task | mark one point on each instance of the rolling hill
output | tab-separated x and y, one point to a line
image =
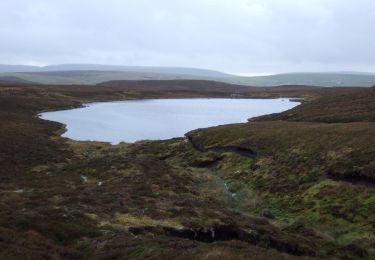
91	74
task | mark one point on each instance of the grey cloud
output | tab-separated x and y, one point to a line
247	36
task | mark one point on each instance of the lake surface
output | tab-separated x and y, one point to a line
155	119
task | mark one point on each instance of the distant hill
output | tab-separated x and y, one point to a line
91	74
338	79
112	68
18	68
14	79
96	77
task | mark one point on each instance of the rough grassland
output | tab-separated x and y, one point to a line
297	184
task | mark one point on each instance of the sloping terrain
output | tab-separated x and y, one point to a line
91	74
314	164
351	105
273	188
333	79
111	68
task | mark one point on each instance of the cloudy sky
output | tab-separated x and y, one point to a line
237	36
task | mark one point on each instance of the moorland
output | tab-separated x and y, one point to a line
299	184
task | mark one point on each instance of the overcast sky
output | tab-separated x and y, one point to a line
238	36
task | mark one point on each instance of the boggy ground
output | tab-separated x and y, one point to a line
295	184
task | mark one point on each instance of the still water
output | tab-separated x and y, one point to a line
155	119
